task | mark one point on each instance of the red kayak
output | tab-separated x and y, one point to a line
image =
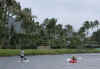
73	61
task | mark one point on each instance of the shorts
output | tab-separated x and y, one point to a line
21	56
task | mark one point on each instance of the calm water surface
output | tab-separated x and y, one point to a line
86	61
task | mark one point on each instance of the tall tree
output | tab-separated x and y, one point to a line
87	26
96	23
25	16
7	8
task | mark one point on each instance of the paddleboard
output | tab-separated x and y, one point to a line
26	61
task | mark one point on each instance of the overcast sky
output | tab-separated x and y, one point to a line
73	12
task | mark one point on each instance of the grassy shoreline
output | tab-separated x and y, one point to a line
15	52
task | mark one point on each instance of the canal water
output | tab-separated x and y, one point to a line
85	61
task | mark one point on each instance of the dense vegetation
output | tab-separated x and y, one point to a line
30	34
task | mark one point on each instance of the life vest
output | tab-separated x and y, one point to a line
73	61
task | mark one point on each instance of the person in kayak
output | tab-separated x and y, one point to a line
73	60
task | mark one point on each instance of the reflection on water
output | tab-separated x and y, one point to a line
87	61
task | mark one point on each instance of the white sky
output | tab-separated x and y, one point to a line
73	12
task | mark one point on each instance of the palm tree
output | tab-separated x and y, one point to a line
25	16
81	32
87	26
6	10
69	30
92	24
96	23
50	26
8	7
58	30
60	36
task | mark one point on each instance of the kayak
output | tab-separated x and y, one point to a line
73	61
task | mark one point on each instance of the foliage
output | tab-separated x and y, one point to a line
96	36
33	34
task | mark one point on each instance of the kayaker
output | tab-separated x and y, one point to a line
73	60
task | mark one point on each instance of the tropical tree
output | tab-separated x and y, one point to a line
87	26
50	25
96	36
96	23
26	19
7	8
69	28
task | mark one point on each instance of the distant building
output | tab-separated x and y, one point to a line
17	25
92	44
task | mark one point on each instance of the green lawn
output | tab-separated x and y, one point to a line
14	52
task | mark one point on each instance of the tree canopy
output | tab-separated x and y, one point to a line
34	34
